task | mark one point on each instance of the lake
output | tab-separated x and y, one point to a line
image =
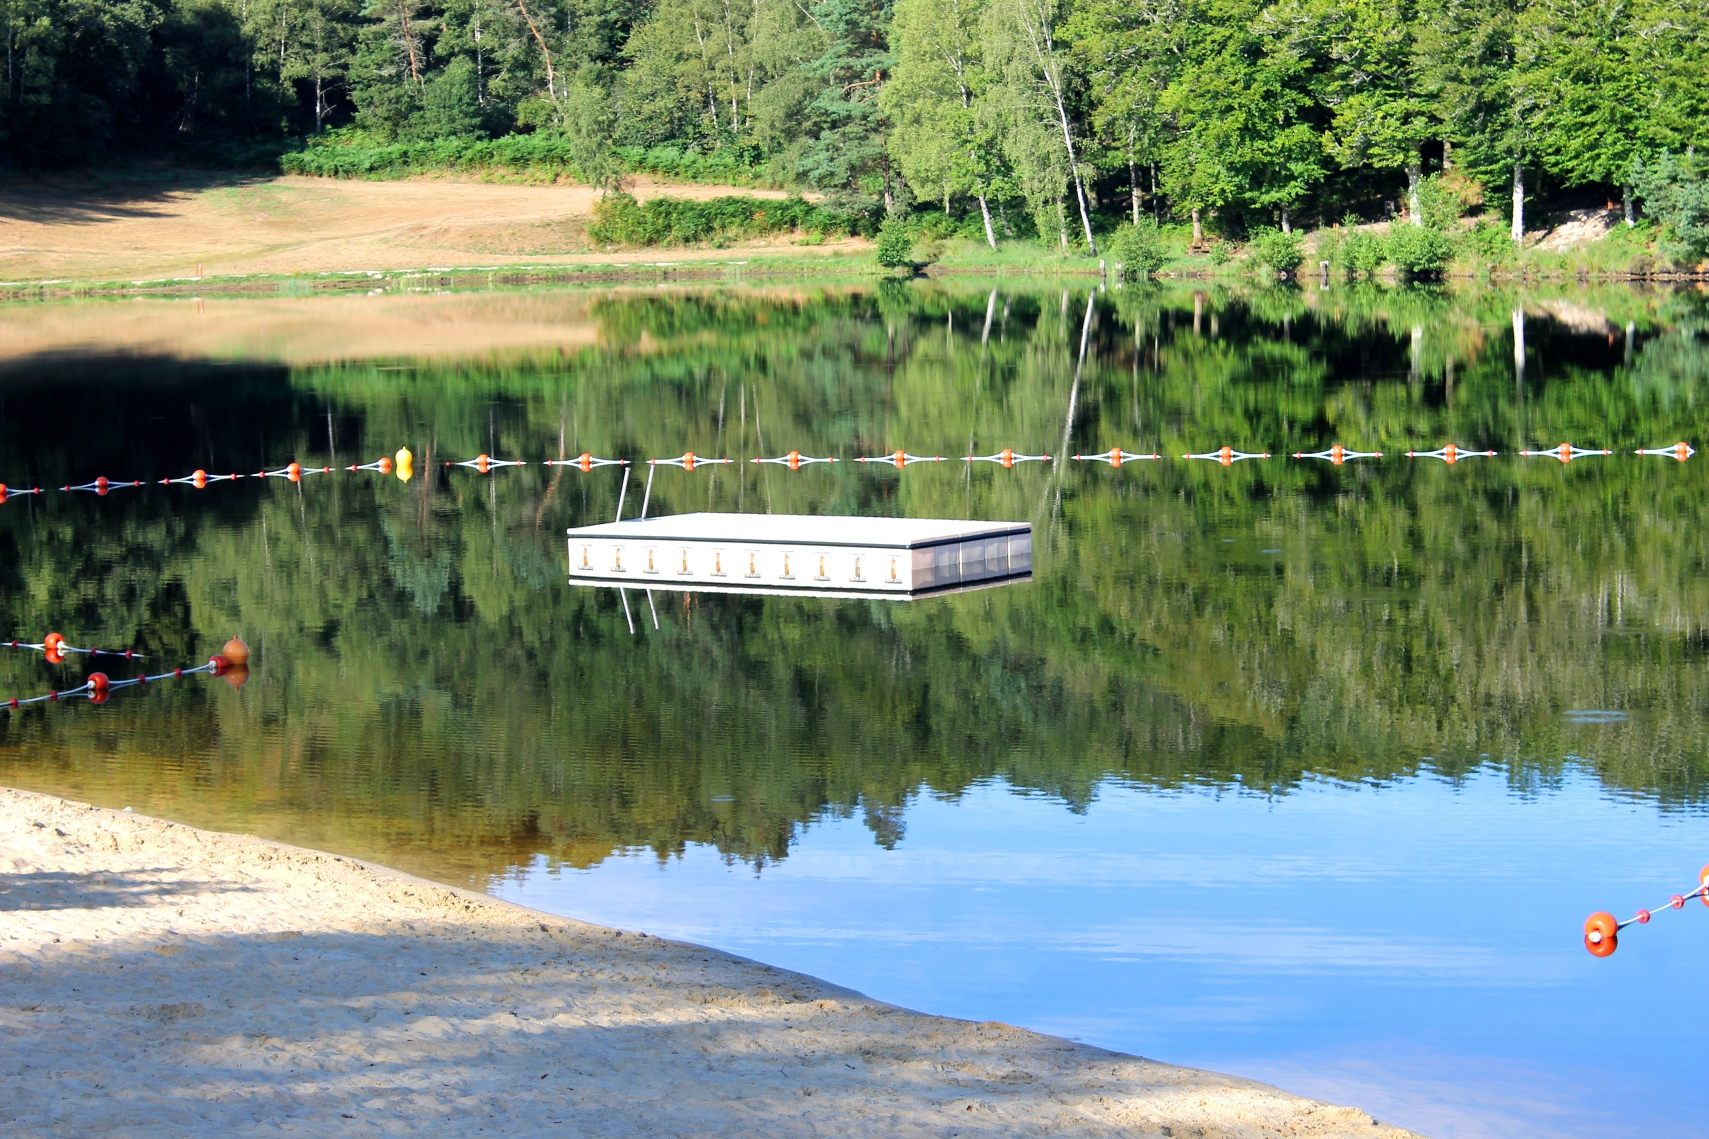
1301	770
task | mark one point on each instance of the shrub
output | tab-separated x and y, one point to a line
1282	252
620	220
1362	252
1138	249
1676	193
895	243
1419	250
1490	241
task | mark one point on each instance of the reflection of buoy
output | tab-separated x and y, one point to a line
1601	934
405	464
236	651
237	675
55	655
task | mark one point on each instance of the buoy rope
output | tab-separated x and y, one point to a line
60	646
900	459
1115	457
1566	452
98	686
1338	454
1602	929
1228	456
795	460
1006	457
1449	453
688	460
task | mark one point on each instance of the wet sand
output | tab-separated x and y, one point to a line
156	979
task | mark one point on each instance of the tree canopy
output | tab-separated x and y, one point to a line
1055	118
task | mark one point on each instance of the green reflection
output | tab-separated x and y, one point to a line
430	691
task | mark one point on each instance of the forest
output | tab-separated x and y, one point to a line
1055	119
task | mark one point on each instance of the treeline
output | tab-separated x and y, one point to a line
1053	118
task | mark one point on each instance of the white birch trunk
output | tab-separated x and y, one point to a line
1519	203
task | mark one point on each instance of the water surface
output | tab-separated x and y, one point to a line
1301	771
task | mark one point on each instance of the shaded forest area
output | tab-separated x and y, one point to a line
1048	118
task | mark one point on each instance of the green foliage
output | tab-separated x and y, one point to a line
1139	249
895	246
1419	250
1676	193
1282	252
620	220
1490	242
1362	252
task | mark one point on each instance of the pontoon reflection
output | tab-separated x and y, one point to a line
900	558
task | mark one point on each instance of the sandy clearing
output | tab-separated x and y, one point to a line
287	225
161	980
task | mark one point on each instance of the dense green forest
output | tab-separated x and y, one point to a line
429	687
1053	118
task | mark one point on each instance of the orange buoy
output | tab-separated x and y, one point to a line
1451	453
235	651
483	463
1601	933
199	480
237	675
101	484
585	461
98	682
385	466
688	461
53	643
1008	457
795	460
2	492
1225	456
900	458
294	472
217	664
1703	881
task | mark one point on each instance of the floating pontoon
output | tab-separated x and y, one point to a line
902	558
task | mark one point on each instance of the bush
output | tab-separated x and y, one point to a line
1282	252
1138	249
1676	193
1490	241
1362	252
355	153
895	243
1419	250
620	220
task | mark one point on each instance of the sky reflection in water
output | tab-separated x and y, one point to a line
1411	948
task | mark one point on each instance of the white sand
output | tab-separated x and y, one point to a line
161	980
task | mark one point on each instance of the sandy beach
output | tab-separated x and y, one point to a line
156	979
236	226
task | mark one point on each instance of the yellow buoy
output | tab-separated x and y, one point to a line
405	464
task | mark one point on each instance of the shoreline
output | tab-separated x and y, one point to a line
160	979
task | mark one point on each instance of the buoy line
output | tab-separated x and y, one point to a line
231	663
1602	929
403	463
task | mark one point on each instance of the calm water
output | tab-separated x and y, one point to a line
1304	772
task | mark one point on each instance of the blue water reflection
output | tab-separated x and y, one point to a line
1410	948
